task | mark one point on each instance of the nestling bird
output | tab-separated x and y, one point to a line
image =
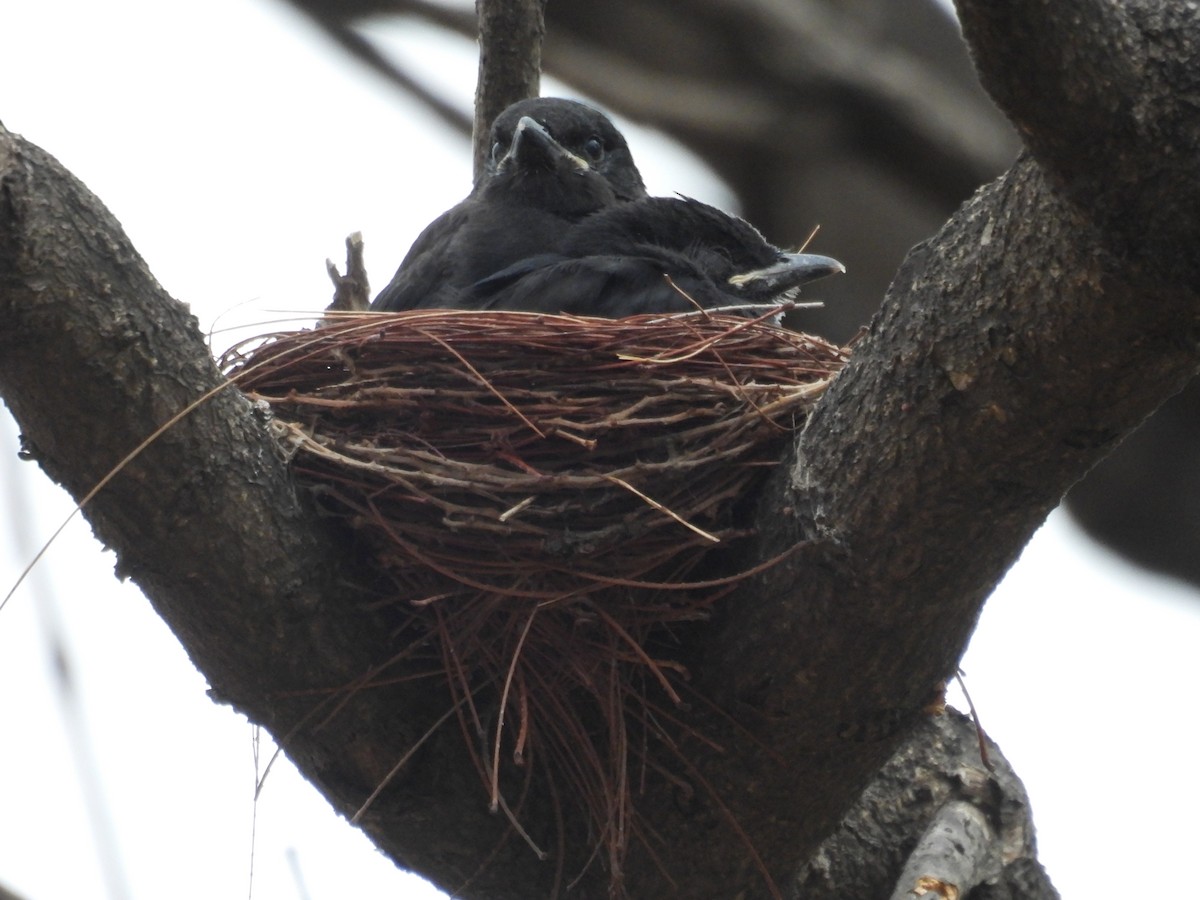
553	162
580	129
656	255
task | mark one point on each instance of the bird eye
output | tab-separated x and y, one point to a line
594	148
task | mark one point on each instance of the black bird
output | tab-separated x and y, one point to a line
656	255
580	129
553	162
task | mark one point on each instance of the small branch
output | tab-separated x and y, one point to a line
935	771
510	63
956	852
352	291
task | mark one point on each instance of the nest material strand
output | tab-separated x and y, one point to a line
542	489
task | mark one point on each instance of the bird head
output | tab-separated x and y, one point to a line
537	172
579	130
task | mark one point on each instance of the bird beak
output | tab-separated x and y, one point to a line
793	270
534	148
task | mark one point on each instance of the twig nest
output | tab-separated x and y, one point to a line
542	488
466	441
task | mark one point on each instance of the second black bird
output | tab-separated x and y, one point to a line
553	162
656	255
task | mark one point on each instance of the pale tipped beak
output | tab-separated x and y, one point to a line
533	147
793	270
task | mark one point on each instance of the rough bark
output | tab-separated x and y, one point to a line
937	769
1048	317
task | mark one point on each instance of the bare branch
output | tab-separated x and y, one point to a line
336	20
351	291
6	894
510	63
956	852
939	767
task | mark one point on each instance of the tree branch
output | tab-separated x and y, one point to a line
988	383
1109	109
1013	351
510	64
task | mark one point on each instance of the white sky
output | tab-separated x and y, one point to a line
238	149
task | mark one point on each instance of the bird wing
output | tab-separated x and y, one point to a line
605	286
487	289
